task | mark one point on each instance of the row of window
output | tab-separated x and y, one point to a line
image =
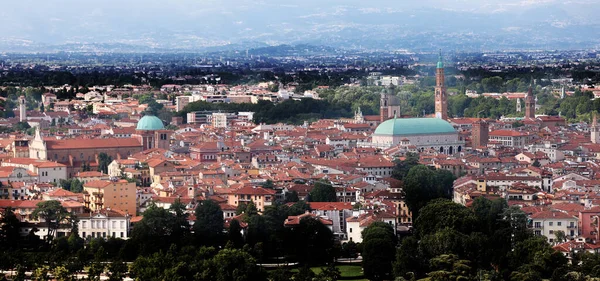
102	234
538	224
102	224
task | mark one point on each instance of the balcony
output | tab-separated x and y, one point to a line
571	226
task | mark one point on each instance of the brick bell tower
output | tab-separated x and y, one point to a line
530	104
441	99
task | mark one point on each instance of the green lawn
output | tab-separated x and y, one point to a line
349	272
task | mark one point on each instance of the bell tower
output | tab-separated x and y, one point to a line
389	105
383	107
594	132
441	99
529	104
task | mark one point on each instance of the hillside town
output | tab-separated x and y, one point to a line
126	159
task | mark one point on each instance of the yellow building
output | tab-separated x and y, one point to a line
261	197
120	195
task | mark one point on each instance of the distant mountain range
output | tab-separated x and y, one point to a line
208	26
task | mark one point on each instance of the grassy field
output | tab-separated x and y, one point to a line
349	272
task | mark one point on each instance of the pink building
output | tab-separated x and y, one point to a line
588	223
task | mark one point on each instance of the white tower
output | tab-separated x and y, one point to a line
562	92
518	105
22	109
594	132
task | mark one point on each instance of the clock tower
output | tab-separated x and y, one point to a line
441	99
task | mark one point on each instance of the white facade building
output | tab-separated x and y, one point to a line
104	224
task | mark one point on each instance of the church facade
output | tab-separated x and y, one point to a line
75	152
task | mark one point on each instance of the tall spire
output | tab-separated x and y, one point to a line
440	63
441	106
530	102
594	130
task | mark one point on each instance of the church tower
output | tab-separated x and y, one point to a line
480	133
518	105
594	132
22	109
389	105
441	100
529	104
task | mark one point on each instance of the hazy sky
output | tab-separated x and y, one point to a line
60	21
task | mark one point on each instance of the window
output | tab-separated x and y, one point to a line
550	223
351	230
559	223
551	232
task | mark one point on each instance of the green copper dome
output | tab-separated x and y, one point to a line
150	123
414	126
440	63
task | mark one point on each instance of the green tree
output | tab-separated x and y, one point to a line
329	273
53	214
241	208
304	274
9	232
402	167
103	161
73	185
441	214
268	184
21	126
291	196
299	208
280	274
153	232
379	244
117	270
409	260
310	242
323	192
181	226
423	184
234	234
208	226
236	265
451	268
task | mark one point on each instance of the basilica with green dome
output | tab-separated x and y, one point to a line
151	133
422	133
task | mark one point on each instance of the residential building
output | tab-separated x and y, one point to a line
120	195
